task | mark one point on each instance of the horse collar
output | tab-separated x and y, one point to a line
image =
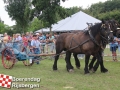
103	25
93	39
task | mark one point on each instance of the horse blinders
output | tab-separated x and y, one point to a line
106	32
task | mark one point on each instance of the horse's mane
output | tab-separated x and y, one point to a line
95	29
79	31
86	31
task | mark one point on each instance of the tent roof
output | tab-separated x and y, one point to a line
75	22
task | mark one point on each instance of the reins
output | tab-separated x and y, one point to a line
74	47
91	38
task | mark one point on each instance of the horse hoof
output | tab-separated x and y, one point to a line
71	70
92	69
87	73
77	67
104	71
55	70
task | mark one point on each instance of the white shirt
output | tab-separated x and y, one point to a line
35	43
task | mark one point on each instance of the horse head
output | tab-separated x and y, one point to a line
106	31
118	33
115	26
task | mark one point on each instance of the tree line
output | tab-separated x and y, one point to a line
32	15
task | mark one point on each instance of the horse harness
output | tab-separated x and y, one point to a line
78	45
101	45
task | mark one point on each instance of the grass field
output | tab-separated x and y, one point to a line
62	80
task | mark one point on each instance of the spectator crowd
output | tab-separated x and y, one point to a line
34	43
45	43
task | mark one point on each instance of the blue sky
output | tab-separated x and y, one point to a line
69	3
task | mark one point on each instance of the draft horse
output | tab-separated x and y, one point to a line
115	27
87	43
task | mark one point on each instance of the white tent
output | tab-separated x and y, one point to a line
43	30
75	22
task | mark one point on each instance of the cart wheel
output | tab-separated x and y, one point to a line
27	62
8	58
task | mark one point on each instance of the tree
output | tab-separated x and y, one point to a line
35	25
4	28
47	11
107	10
73	10
19	11
111	5
115	14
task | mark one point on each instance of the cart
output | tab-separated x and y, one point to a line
10	56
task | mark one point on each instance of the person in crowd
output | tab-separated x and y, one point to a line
29	38
1	39
47	42
113	48
27	35
25	41
118	41
35	44
14	37
52	44
14	41
6	38
42	40
18	41
81	56
55	37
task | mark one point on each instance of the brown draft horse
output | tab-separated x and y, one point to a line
115	26
116	31
87	43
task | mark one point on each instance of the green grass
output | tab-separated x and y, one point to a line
62	80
